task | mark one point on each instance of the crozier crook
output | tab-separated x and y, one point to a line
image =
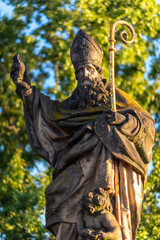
112	51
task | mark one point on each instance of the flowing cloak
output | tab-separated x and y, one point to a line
87	153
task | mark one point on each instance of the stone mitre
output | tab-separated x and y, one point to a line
85	50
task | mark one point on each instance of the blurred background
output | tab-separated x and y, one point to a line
42	31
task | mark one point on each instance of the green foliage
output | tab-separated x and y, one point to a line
22	192
150	221
22	201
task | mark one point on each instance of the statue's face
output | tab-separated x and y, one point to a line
86	74
95	203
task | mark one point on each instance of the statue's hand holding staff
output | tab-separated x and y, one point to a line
114	118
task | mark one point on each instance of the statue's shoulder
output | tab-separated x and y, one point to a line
65	104
125	100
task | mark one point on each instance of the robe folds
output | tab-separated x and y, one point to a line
87	153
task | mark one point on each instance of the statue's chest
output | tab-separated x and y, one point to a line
92	222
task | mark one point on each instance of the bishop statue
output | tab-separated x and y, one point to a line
99	157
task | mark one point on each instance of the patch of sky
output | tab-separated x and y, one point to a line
150	167
68	6
119	46
33	26
39	8
147	67
156	44
18	41
36	72
43	221
64	35
158	197
34	23
50	82
42	43
27	148
157	125
6	10
3	236
39	168
75	30
150	59
2	148
50	95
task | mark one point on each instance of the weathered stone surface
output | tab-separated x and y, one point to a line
96	154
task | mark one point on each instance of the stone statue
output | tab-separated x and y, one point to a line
94	151
96	220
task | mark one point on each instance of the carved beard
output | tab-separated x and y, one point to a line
89	96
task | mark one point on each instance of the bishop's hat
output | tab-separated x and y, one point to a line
85	50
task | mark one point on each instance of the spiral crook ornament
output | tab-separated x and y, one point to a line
112	51
122	22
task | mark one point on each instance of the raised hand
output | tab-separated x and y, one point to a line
18	69
19	74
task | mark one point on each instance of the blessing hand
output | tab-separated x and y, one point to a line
19	74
